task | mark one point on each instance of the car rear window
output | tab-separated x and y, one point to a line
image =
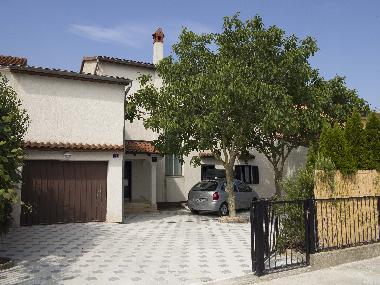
205	186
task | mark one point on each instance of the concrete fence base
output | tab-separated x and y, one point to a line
335	257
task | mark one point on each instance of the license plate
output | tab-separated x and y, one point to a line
200	200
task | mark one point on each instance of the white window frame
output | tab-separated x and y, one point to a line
173	159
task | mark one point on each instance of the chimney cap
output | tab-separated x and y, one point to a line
158	36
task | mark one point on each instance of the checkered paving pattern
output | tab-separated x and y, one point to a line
164	248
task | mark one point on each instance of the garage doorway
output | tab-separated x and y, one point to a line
63	192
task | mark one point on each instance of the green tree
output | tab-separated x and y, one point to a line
372	134
355	137
246	87
340	101
292	99
333	145
288	104
207	99
13	125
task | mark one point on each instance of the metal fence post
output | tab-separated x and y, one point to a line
312	226
309	219
251	219
258	220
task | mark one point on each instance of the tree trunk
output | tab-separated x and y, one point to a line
277	180
230	190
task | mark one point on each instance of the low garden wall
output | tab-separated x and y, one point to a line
350	221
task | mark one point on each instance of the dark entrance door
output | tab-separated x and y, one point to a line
128	180
63	192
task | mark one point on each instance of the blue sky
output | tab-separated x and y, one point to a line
59	33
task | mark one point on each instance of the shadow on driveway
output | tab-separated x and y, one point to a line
44	254
161	248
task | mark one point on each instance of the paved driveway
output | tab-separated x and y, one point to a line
148	249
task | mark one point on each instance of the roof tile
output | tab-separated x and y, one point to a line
69	146
138	147
6	60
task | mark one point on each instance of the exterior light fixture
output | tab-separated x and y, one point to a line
66	155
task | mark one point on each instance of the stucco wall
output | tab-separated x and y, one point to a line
141	180
89	67
114	178
135	130
160	180
63	110
142	177
177	188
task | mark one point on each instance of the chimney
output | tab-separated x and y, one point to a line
158	45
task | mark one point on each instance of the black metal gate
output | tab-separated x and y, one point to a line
282	234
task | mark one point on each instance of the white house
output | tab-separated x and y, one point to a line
173	180
74	145
86	163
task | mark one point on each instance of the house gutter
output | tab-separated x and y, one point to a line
69	75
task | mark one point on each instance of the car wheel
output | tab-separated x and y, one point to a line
194	211
223	210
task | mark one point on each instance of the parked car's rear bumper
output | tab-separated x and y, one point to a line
207	206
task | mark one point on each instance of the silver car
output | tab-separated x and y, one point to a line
211	196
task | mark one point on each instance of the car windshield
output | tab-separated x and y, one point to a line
205	186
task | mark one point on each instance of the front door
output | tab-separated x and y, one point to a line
128	180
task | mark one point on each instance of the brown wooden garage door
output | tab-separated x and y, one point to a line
63	192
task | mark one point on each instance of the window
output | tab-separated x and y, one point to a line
206	171
247	173
205	186
173	165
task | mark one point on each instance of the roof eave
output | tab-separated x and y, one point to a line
68	75
117	61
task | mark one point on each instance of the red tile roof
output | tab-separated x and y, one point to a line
138	147
70	146
12	60
131	146
206	155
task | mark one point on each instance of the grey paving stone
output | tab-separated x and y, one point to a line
205	279
185	250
